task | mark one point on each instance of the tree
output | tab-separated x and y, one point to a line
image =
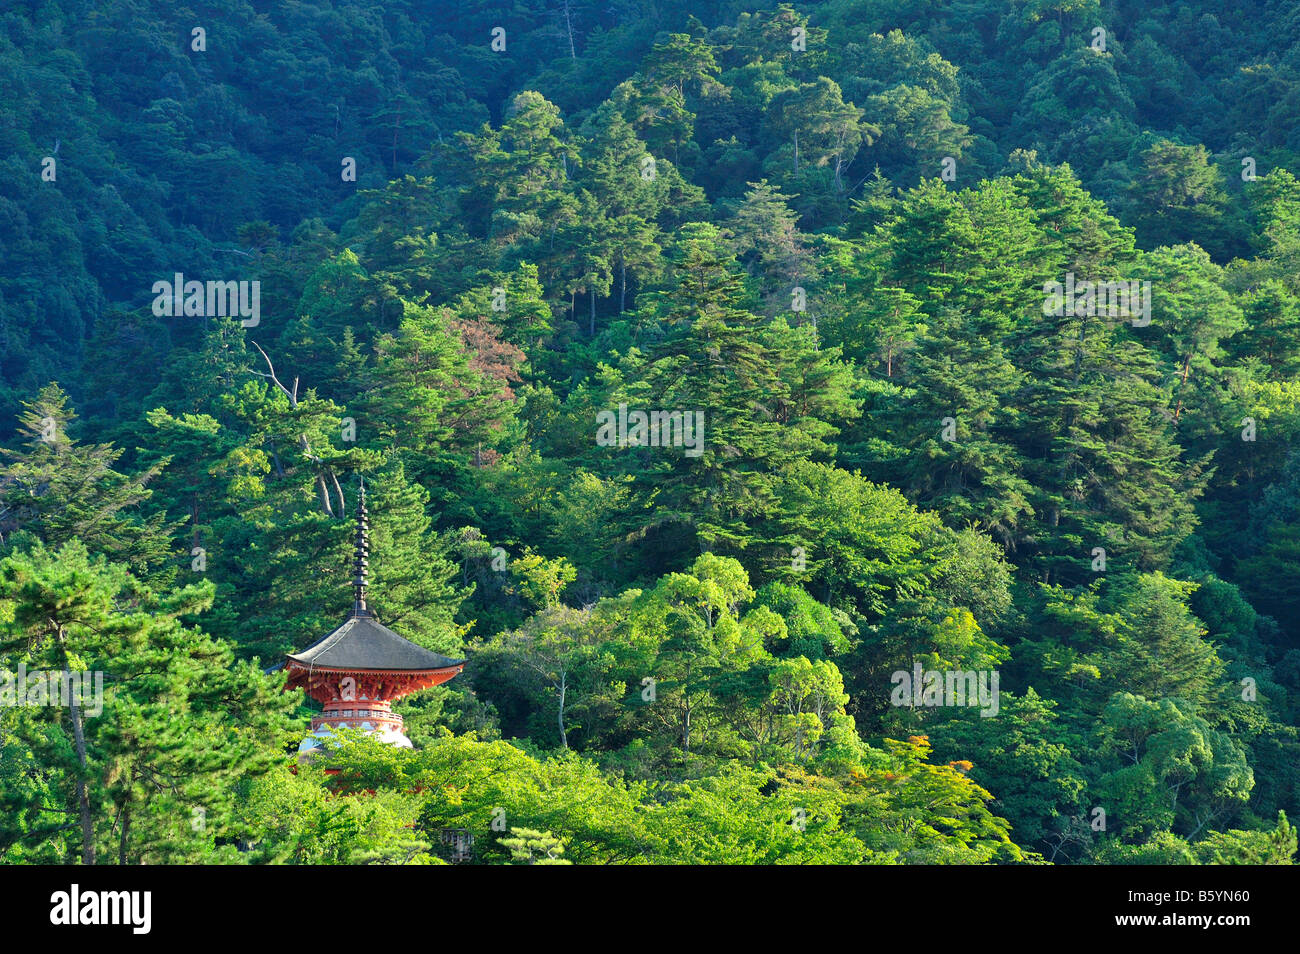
813	630
1236	847
806	696
283	421
679	62
64	491
1197	316
860	545
445	389
832	131
712	362
1270	329
1026	761
765	235
178	725
695	633
917	128
1162	651
876	327
1175	771
1176	194
816	388
529	847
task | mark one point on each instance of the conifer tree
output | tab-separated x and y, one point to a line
62	490
149	766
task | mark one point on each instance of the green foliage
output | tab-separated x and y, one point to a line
830	235
152	759
530	847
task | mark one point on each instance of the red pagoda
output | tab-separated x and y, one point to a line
357	671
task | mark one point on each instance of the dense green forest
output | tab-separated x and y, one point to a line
862	252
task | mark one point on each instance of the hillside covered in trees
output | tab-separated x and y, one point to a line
726	378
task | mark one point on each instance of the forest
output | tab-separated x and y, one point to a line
846	432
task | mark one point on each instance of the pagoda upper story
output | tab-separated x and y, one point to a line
361	668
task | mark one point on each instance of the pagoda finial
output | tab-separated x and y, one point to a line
363	552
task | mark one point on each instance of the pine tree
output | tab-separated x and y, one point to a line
62	490
149	768
713	361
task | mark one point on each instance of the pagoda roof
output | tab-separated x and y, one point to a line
362	644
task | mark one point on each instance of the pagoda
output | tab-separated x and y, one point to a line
358	670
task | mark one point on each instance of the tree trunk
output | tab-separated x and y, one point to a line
591	293
324	495
622	295
123	839
686	720
796	152
568	24
564	688
1187	367
343	510
79	738
83	796
686	731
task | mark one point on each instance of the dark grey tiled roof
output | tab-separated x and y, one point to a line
362	643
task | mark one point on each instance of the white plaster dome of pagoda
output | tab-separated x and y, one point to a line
317	740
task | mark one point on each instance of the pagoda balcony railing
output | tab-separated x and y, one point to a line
376	718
